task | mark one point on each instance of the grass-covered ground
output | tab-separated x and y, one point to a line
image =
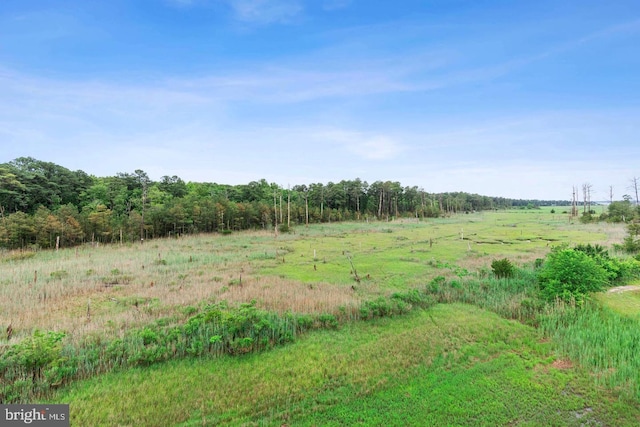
449	365
623	301
490	361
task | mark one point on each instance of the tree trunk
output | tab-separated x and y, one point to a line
288	207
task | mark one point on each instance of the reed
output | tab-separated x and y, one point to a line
601	340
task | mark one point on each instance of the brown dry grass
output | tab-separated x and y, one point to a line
122	286
562	364
111	288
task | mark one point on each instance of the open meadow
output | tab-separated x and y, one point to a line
357	323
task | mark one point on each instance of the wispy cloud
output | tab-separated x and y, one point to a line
366	146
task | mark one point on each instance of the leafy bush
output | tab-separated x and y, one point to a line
383	307
32	364
594	251
617	269
415	297
502	268
569	274
283	228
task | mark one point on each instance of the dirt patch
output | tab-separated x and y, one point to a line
628	288
562	364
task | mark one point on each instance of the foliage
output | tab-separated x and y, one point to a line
617	269
32	365
398	263
217	330
450	365
631	243
284	228
570	274
620	211
600	339
502	268
40	201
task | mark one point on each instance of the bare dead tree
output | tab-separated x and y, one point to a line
611	194
353	268
586	195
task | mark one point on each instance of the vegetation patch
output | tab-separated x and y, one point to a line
452	364
326	278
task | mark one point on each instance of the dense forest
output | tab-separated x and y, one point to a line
43	204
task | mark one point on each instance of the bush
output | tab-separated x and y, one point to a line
284	228
618	270
571	275
631	245
502	268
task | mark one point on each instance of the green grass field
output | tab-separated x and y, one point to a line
626	303
450	364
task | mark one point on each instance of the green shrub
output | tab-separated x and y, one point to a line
568	274
284	228
617	269
58	275
502	268
416	298
328	320
630	245
31	365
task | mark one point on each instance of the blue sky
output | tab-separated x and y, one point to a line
520	99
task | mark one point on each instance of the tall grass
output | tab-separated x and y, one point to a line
453	364
43	361
31	368
599	339
116	307
512	298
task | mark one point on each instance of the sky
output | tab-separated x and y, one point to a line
510	98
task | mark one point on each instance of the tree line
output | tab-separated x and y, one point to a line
43	205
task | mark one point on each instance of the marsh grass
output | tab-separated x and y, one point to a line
114	304
450	365
601	340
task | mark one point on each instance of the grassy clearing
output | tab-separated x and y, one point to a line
453	364
107	289
141	294
626	303
394	256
